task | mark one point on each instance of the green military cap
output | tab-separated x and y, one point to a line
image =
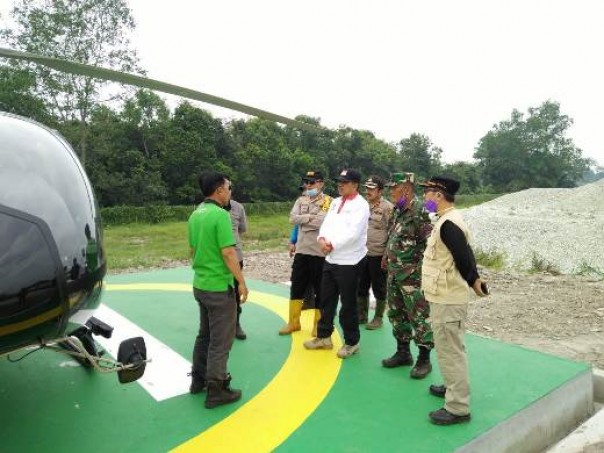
399	178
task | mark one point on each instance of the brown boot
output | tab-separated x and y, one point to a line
376	323
198	383
363	308
295	309
402	356
380	305
423	366
220	392
316	322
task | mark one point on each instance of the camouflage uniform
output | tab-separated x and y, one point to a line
408	309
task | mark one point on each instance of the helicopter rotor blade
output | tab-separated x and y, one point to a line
97	72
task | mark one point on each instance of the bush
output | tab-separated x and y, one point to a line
490	258
123	215
540	264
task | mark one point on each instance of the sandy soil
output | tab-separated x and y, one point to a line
558	314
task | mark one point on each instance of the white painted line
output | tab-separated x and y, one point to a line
166	375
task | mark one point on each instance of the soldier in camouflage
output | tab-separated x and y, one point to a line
408	309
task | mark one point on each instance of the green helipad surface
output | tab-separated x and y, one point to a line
47	404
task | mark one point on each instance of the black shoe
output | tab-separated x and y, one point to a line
421	369
444	417
438	390
239	333
398	359
198	384
220	392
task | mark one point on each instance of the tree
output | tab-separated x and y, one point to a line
87	31
467	174
17	94
534	152
419	155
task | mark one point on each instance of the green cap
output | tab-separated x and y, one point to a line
400	178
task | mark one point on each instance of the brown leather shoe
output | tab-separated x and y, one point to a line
443	417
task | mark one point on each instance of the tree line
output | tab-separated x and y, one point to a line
138	151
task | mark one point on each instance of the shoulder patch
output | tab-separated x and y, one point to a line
326	203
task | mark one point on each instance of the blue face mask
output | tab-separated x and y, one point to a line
402	202
431	206
312	192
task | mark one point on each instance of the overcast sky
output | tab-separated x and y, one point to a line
447	69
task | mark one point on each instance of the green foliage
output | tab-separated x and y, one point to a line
150	214
467	173
540	264
87	31
17	95
125	215
467	201
590	271
139	153
534	152
419	155
490	258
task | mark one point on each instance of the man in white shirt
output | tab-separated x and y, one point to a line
343	239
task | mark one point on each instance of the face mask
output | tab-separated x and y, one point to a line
431	206
312	192
402	201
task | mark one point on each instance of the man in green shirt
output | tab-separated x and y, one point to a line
214	260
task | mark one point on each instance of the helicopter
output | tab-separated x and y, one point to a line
52	259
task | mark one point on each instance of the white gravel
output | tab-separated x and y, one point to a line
561	227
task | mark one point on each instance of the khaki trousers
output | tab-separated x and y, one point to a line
448	326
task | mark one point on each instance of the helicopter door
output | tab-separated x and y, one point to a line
32	302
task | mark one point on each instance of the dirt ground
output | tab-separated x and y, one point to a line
558	314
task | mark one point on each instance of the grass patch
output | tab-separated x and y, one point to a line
490	258
590	271
540	264
267	232
144	245
467	201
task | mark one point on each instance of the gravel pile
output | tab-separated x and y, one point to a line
563	228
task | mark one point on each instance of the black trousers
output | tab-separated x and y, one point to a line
306	270
340	281
371	275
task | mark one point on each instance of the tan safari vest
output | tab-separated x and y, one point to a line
441	281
